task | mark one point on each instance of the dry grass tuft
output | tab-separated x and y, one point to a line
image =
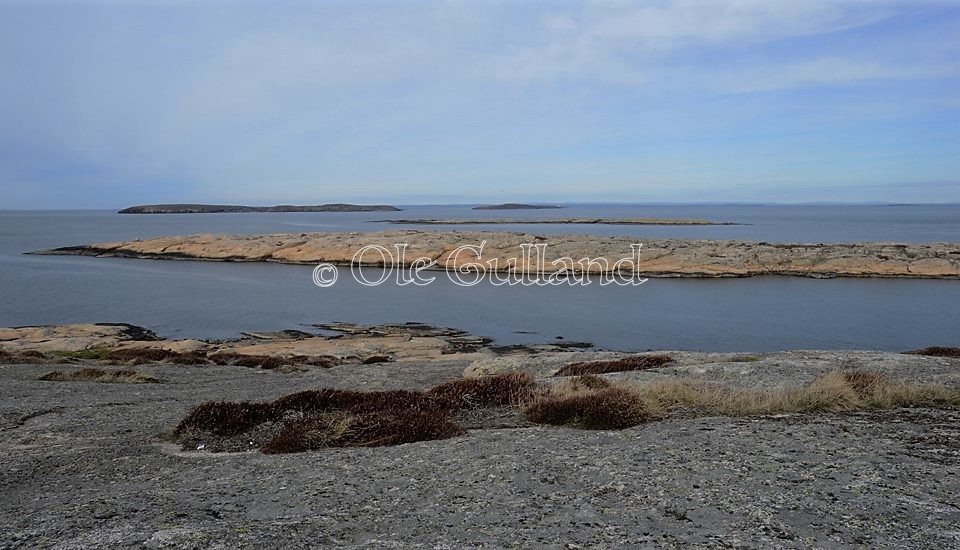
488	391
636	362
610	408
863	382
121	376
835	391
586	403
373	429
588	382
936	351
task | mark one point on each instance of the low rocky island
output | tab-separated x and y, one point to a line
560	221
517	206
588	254
233	209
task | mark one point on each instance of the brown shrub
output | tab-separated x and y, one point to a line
191	358
233	418
329	400
503	389
224	358
268	362
91	373
309	434
397	427
604	409
373	429
635	362
139	356
95	353
120	376
936	351
31	357
323	361
226	418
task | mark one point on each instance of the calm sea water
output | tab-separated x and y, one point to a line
219	300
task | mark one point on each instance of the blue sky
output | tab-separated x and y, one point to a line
114	103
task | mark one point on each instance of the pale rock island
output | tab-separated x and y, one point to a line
655	258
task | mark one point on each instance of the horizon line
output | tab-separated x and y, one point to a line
538	203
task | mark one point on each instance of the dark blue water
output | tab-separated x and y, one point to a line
219	300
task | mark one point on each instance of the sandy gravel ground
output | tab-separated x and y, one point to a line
83	466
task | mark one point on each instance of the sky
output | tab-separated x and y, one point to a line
108	104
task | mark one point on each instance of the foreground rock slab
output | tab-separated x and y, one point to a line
83	467
656	257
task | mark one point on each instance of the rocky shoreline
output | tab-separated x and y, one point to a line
655	258
333	343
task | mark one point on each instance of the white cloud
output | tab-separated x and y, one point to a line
630	42
831	71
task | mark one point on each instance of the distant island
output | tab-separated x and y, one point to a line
516	206
571	221
232	209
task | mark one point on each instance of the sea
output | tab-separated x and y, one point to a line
214	300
